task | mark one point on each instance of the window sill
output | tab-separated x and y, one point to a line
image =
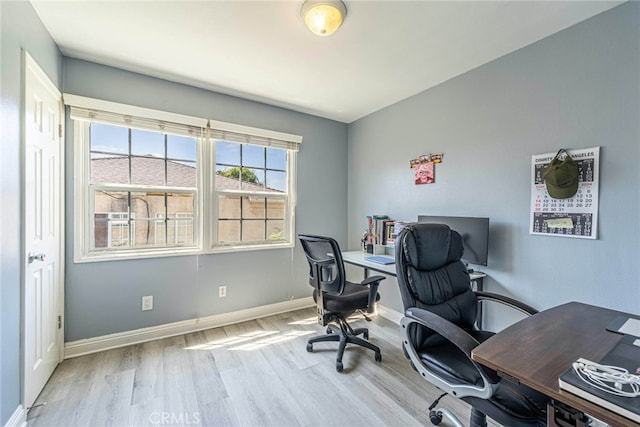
99	257
132	255
247	248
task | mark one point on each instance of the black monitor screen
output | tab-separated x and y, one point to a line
474	232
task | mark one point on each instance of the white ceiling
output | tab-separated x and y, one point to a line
384	52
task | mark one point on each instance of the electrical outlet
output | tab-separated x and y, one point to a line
147	303
222	291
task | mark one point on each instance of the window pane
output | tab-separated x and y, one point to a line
181	147
108	139
253	156
275	208
180	203
142	233
118	237
227	153
229	231
147	171
146	143
111	220
159	228
253	207
252	179
101	230
109	170
276	181
229	207
276	158
145	208
180	229
182	174
227	178
175	229
275	230
252	230
111	201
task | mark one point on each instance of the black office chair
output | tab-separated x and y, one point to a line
439	330
336	298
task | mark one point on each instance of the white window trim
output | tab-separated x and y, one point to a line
132	110
206	196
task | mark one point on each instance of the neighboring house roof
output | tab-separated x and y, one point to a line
150	171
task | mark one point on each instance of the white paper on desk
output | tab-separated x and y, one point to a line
631	327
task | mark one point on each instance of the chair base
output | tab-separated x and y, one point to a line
477	418
435	416
345	334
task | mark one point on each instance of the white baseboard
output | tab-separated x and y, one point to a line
389	314
18	419
136	336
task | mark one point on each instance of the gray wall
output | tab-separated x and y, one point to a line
104	297
576	89
20	29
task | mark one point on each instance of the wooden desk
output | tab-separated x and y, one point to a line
536	350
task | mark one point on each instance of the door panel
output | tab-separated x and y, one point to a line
42	230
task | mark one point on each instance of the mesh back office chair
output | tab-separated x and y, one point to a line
439	330
336	298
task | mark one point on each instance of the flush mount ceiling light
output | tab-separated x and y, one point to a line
323	17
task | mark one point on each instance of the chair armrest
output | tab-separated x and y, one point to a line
373	282
448	330
457	336
510	302
372	279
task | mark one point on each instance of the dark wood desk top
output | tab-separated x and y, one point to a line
536	350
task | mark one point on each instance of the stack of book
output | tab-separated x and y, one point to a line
380	229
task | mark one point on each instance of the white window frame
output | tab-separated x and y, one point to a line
260	137
289	216
205	216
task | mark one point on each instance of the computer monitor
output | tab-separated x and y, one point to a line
474	232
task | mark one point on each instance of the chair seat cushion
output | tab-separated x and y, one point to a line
449	362
517	400
355	297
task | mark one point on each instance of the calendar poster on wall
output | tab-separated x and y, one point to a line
576	216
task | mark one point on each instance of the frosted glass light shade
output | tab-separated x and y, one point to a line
323	18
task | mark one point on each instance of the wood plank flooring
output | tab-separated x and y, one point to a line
256	373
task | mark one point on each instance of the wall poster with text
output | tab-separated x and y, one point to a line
576	216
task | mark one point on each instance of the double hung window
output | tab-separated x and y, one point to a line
150	183
253	187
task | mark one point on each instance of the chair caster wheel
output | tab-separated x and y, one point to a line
329	331
339	366
435	417
365	335
378	357
309	347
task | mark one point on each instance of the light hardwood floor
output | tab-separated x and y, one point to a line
256	373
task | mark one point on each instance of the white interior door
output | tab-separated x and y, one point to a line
42	225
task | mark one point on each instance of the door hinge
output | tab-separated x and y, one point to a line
59	322
59	130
